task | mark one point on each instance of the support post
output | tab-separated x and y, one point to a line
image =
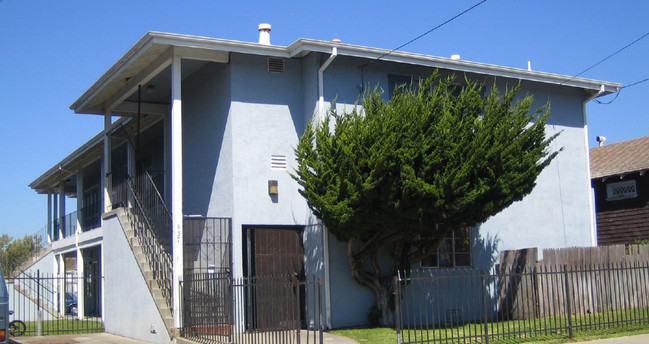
176	187
50	229
80	287
62	223
54	215
107	175
80	214
62	283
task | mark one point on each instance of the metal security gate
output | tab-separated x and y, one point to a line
270	305
47	304
207	286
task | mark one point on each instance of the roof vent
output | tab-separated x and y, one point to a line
264	34
455	57
336	40
275	65
601	140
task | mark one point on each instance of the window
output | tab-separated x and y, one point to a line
621	190
453	252
395	81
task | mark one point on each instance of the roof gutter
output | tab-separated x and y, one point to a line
591	195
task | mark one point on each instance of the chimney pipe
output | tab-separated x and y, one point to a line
264	34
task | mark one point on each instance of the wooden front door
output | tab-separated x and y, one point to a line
274	262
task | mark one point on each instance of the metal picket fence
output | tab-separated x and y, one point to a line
471	306
47	304
251	310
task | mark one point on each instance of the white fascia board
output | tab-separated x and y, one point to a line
218	44
138	49
63	164
303	46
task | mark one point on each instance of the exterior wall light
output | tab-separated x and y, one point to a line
272	187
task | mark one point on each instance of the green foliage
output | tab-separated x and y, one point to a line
419	165
15	252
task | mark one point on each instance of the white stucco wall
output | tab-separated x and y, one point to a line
129	308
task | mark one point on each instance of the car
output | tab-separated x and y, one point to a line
4	310
70	303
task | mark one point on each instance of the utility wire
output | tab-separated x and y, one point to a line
620	90
426	33
608	57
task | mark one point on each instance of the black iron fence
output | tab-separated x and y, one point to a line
48	304
278	309
470	306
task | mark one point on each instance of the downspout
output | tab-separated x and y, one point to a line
325	232
321	108
591	195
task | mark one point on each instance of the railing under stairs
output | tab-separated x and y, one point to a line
151	221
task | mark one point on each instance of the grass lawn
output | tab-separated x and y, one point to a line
64	326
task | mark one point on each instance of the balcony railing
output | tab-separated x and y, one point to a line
66	225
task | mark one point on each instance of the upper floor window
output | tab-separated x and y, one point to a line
621	190
454	251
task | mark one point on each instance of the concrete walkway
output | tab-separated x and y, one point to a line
638	339
107	338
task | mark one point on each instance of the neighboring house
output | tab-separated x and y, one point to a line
218	121
621	191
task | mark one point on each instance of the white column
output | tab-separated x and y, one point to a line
62	224
176	187
62	281
80	287
103	285
106	176
54	215
79	202
49	219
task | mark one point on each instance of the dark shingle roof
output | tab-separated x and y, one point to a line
619	158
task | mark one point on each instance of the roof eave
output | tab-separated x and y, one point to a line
302	46
152	38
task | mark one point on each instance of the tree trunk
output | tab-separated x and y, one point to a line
380	285
385	304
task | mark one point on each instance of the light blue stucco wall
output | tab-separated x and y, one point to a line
129	309
267	117
236	115
207	143
555	214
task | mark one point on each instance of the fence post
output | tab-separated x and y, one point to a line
39	317
483	277
296	282
320	317
568	301
397	307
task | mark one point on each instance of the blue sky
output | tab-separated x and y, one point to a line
52	51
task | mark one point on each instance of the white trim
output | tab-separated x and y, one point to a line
176	188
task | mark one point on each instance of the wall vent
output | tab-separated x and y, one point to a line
275	65
278	162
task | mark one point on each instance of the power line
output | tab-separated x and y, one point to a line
619	91
606	58
427	32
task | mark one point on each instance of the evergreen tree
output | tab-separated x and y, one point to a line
403	174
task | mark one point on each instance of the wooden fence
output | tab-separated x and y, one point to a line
580	280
